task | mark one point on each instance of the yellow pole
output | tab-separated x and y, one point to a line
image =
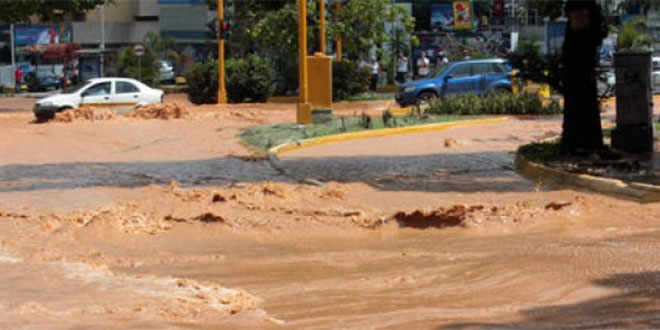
337	6
303	115
222	91
322	26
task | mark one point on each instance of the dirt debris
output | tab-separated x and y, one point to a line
160	111
475	215
557	205
84	114
209	217
450	142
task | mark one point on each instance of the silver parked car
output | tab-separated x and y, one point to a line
166	72
103	92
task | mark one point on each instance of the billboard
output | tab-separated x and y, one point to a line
442	16
462	15
26	35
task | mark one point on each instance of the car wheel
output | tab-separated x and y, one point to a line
425	97
44	117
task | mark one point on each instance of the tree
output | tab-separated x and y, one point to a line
581	128
20	11
360	23
144	68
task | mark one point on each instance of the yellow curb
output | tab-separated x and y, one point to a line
640	192
400	111
286	147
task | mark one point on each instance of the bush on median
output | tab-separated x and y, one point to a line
494	104
348	80
248	79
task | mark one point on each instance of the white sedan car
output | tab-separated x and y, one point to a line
103	92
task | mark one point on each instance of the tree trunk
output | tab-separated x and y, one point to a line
582	131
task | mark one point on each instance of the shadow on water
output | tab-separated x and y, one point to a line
466	172
637	308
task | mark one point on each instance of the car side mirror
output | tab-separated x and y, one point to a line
448	77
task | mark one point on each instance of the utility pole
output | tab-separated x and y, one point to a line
222	91
13	53
304	109
102	46
338	51
322	26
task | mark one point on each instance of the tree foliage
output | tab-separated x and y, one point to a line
633	36
360	24
145	68
20	11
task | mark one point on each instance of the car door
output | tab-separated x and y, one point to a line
98	94
486	75
126	95
459	81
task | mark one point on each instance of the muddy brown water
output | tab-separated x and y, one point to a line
588	265
433	235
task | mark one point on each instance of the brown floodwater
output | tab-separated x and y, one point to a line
94	236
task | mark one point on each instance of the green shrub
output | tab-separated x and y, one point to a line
203	83
493	104
249	79
348	80
144	68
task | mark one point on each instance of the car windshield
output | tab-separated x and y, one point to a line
75	88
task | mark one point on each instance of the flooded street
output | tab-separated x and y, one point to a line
167	224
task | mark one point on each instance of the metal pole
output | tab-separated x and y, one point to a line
395	46
13	53
102	46
222	90
140	68
303	114
338	52
322	26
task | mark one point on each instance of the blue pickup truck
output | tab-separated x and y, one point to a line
458	78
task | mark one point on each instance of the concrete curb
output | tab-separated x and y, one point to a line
641	192
286	147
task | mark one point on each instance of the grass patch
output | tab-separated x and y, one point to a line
371	96
265	137
546	152
542	152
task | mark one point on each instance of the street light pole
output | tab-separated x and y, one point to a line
102	46
222	91
304	110
13	52
322	26
338	52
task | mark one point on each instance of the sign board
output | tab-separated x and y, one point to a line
44	34
442	16
462	15
138	50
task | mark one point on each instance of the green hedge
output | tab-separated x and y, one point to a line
248	79
493	104
348	80
203	83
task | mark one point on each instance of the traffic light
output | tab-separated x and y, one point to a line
224	30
